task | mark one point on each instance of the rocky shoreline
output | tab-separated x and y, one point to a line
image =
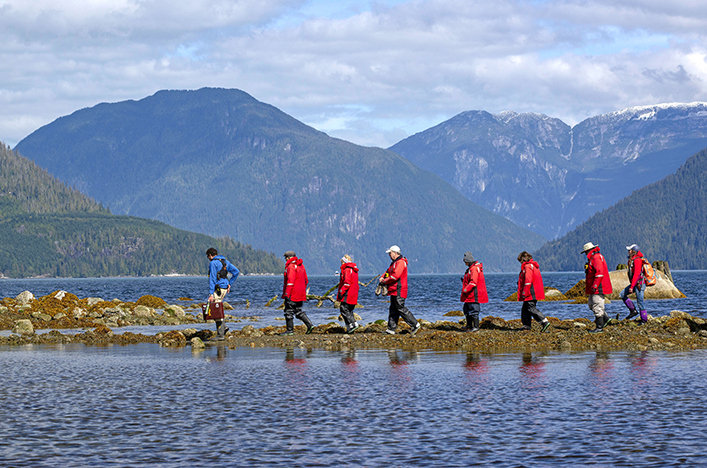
98	318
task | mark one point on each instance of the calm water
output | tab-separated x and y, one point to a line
145	405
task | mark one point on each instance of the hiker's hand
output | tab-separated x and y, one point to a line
630	290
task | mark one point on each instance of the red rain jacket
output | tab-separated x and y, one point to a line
635	270
295	284
530	282
597	276
396	277
348	284
474	284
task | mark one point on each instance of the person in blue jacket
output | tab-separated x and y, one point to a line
220	284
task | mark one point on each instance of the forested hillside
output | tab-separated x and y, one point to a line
48	229
667	219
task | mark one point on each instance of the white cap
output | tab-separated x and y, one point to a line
588	246
633	247
393	248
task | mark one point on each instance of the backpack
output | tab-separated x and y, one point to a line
648	273
223	272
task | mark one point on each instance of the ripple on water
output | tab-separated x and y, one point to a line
142	404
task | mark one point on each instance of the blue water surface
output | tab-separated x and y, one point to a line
142	405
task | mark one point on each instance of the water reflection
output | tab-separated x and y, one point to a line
142	404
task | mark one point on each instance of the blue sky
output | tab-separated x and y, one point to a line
368	72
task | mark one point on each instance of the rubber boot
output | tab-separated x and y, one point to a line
631	309
469	323
644	316
289	327
220	332
475	325
307	323
599	321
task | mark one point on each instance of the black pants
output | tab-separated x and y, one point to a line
472	309
397	310
529	311
294	309
347	313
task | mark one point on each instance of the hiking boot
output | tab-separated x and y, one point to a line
631	314
523	328
355	327
473	330
416	329
389	331
287	333
546	325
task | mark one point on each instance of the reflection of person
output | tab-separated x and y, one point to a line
396	278
473	292
530	291
220	284
636	284
348	292
597	285
294	292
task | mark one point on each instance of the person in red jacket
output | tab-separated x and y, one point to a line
473	292
636	283
348	292
396	278
530	291
597	285
294	292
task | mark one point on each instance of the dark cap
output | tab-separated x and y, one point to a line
468	257
290	253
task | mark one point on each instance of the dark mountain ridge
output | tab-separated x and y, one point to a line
220	162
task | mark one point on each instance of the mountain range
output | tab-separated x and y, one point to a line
219	162
49	229
549	177
667	219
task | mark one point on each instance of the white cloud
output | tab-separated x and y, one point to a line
367	72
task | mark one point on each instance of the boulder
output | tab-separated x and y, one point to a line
23	327
142	311
93	300
453	313
24	297
41	316
60	295
663	289
197	343
176	310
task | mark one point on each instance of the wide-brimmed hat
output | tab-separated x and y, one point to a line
588	246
